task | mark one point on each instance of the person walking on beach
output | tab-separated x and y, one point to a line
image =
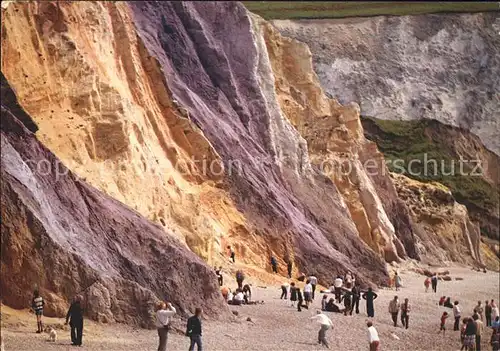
397	281
434	282
394	307
442	328
356	295
293	294
274	264
487	313
369	296
300	300
405	314
232	254
193	330
347	297
373	338
479	331
457	312
37	305
326	323
314	282
284	291
240	276
427	283
75	319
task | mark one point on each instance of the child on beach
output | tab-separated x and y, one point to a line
427	283
443	322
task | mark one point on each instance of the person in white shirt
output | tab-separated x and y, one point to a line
373	338
457	314
338	288
238	298
326	323
163	314
314	282
308	290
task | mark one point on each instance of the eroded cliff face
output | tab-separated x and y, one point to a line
447	233
338	148
442	66
130	95
103	106
65	237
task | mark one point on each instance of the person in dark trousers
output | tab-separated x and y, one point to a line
405	314
300	300
293	294
434	282
347	298
479	331
193	330
37	305
232	255
247	293
289	267
239	278
284	291
356	295
487	311
369	296
394	307
75	318
274	264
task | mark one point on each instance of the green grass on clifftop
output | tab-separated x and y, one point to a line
430	140
338	9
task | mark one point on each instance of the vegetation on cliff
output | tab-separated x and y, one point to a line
427	150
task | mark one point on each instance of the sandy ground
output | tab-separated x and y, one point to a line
276	326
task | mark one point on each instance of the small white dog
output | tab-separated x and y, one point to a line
52	335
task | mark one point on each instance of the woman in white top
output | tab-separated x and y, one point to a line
494	310
373	338
163	314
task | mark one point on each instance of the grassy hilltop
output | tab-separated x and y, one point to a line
338	9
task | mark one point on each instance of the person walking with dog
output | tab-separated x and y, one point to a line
37	305
75	319
164	312
193	330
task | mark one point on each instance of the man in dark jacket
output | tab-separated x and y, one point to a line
75	318
356	295
193	330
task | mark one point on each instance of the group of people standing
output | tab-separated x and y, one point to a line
74	317
472	328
